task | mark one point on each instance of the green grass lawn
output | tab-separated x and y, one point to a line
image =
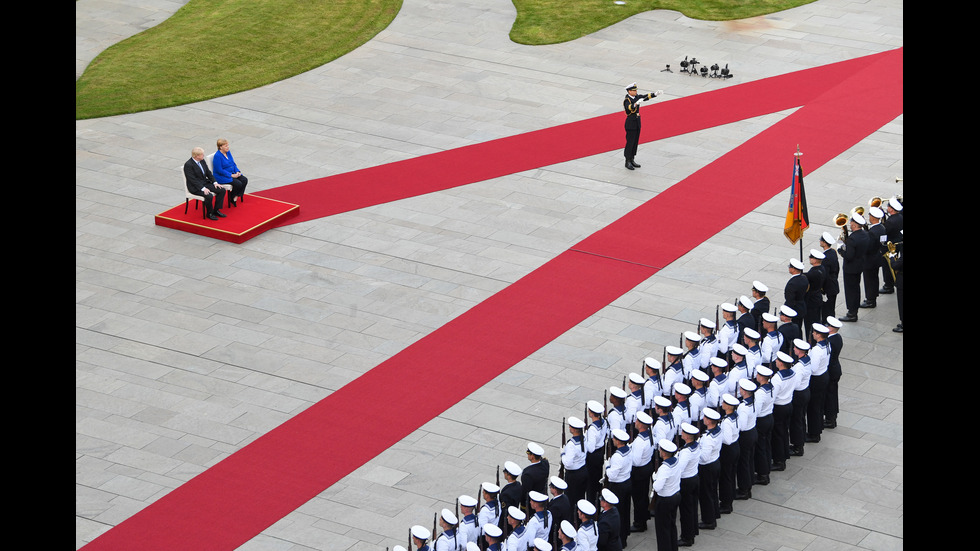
212	48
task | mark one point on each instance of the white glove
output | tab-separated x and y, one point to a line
659	92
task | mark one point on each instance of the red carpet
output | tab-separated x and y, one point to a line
252	217
239	497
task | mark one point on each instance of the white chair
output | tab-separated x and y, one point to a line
210	159
189	196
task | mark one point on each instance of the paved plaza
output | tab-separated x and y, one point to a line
189	348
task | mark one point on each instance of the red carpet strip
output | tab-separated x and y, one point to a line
238	498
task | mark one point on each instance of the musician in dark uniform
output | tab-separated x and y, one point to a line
899	267
878	238
893	232
813	298
795	291
855	252
831	268
631	104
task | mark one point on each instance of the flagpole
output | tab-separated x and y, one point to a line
798	155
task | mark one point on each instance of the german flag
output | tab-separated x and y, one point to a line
797	218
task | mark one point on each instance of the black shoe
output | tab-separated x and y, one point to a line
725	510
629	165
778	466
867	304
212	217
743	496
220	214
684	543
886	290
638	527
898	329
829	424
849	317
812	439
761	480
707	525
796	452
634	163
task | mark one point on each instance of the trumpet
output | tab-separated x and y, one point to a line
841	220
892	253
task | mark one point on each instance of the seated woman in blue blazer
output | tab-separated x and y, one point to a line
227	172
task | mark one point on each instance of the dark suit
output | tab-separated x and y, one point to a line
198	181
632	124
561	509
511	494
831	284
535	477
874	263
855	258
814	296
794	296
790	332
831	400
760	307
609	527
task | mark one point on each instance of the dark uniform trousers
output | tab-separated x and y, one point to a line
577	481
593	466
763	445
814	410
797	425
640	490
689	507
665	521
780	432
623	490
726	479
708	474
745	474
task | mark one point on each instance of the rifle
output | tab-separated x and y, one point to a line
561	468
433	536
409	548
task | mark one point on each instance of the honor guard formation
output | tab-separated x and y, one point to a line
689	435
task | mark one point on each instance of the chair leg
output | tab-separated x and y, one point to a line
186	201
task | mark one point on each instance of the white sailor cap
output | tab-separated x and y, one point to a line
516	513
827	238
586	507
651	363
692	336
667	445
745	301
701	375
859	219
711	413
751	333
738	349
632	86
594	407
729	399
568	529
661	401
537	496
467	501
673	351
705	322
820	328
472	546
490	487
876	212
558	483
617	392
689	428
621	435
893	203
728	307
817	254
644	418
513	468
449	517
535	449
420	532
398	548
576	423
764	371
784	357
801	344
492	530
636	378
787	311
608	496
720	362
759	286
766	316
795	263
682	389
541	545
747	385
834	322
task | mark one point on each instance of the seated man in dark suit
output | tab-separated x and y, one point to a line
201	182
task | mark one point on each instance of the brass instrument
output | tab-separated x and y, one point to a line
892	253
876	202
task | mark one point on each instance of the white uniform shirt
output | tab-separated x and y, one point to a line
518	540
783	385
746	414
684	413
539	526
771	343
652	387
673	376
572	455
489	514
727	336
668	479
664	427
595	435
820	357
763	400
587	537
803	371
641	449
616	418
619	466
634	403
729	429
691	361
450	541
710	446
688	457
753	359
469	530
709	349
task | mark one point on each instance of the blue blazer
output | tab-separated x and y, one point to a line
224	168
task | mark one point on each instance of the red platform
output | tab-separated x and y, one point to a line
251	217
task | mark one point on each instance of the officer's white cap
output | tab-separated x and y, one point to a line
784	357
834	322
787	311
492	530
558	483
673	350
795	262
705	322
467	501
609	497
689	428
729	399
661	401
537	496
490	487
682	389
667	445
630	86
801	344
541	545
769	317
568	529
516	513
637	379
651	363
817	254
739	349
644	418
728	307
617	392
535	449
827	238
513	468
745	301
420	532
576	423
893	203
472	546
621	435
449	517
586	507
719	362
594	407
398	548
859	219
764	371
876	212
747	385
759	286
710	413
701	375
692	336
820	328
751	333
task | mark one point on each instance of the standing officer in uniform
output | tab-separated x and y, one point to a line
801	398
816	277
631	104
587	537
642	451
595	448
745	318
831	268
573	457
420	537
688	457
761	303
795	292
893	232
878	235
855	249
468	528
831	403
618	471
609	523
450	539
535	475
763	425
709	469
729	453
819	375
560	505
747	438
667	487
511	494
789	330
899	266
783	386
